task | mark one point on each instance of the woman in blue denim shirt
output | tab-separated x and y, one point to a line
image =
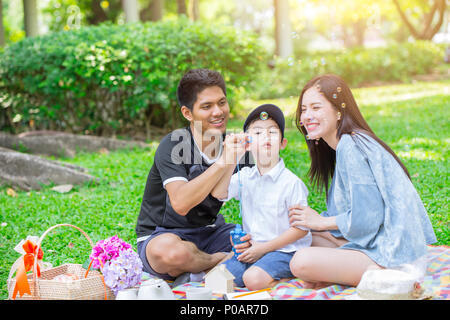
375	217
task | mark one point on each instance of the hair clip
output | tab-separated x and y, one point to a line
301	124
343	105
338	89
334	95
307	136
264	115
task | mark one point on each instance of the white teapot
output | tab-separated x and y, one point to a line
155	289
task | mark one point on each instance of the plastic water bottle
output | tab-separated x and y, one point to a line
236	234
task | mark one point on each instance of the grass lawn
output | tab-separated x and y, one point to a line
412	118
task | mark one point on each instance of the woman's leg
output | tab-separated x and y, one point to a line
326	239
330	265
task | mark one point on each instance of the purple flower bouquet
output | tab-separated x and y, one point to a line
123	272
120	265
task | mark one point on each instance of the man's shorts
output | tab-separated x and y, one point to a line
275	263
210	239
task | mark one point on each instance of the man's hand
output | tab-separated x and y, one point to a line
234	147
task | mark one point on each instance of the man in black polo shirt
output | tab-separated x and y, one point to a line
179	230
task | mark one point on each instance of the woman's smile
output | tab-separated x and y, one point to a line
312	126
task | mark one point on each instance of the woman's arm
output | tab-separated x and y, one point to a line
258	249
304	216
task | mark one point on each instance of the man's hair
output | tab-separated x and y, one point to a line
195	81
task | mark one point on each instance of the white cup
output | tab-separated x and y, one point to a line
199	294
127	294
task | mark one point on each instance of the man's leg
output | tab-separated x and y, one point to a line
169	254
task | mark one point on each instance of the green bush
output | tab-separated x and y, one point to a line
108	78
357	66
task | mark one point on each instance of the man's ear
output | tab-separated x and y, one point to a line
283	143
187	113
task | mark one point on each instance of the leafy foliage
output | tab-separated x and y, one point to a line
108	77
397	62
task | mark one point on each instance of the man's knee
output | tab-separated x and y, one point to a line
167	250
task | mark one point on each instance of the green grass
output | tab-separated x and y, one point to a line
412	119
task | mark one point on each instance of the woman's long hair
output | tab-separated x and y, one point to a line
323	157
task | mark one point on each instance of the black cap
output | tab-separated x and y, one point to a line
272	111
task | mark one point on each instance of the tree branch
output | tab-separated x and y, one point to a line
405	19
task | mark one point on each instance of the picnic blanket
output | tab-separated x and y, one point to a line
436	283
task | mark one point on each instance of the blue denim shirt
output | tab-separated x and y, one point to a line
377	208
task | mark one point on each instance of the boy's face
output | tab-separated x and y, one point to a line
266	141
210	111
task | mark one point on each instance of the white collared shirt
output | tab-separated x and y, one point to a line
266	200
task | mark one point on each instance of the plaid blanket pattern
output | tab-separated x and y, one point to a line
436	283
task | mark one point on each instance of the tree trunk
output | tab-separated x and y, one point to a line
99	14
30	18
359	30
181	7
130	7
426	31
153	12
194	10
283	40
2	29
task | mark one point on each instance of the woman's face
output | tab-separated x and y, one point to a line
319	117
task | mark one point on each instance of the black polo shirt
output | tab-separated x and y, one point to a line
177	158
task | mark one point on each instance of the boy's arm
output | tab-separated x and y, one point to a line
290	235
258	249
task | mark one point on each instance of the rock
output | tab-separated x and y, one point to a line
29	172
64	188
62	144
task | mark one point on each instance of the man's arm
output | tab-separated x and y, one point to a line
186	195
220	191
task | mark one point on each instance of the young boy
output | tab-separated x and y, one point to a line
268	190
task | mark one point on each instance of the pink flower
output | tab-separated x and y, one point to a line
105	250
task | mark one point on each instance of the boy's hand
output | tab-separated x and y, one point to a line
244	245
252	254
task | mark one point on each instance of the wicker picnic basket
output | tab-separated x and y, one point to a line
89	286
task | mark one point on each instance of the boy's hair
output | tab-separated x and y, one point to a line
271	111
195	81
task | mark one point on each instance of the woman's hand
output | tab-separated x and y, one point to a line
252	254
301	216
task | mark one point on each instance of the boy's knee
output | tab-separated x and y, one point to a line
256	278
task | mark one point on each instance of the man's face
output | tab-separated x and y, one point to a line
210	111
